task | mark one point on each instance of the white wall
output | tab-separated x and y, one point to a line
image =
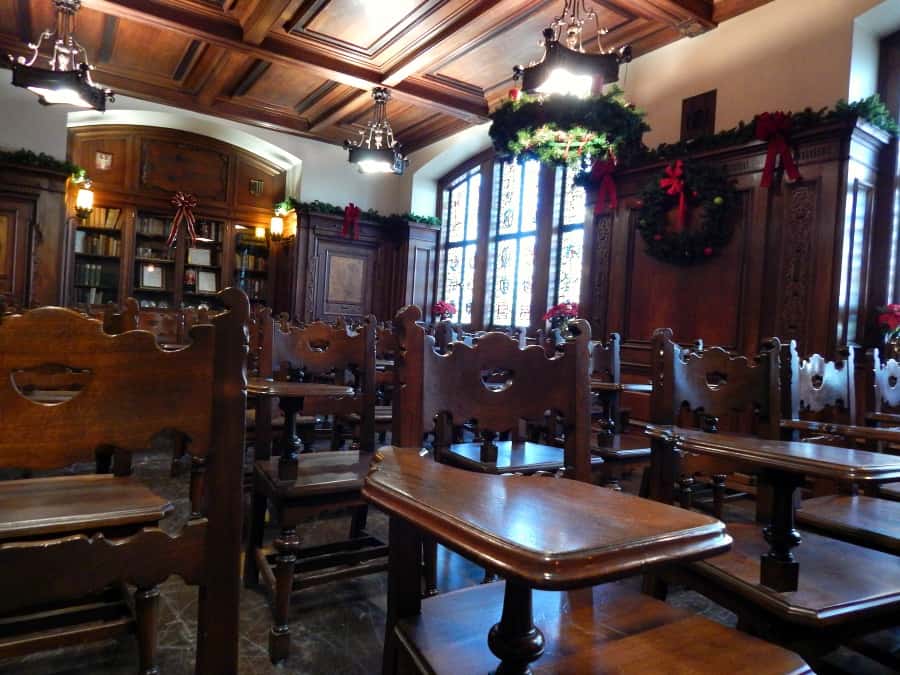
26	124
785	55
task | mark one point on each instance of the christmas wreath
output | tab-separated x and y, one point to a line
566	129
683	187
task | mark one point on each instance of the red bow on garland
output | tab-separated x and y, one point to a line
185	204
351	220
673	183
602	175
775	128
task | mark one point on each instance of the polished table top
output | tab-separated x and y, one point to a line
550	533
261	386
811	459
631	387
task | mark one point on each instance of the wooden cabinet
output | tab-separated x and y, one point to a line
797	266
136	171
32	217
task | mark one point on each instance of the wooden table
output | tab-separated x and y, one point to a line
537	532
290	397
785	465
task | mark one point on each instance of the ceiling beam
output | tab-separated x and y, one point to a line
690	17
264	16
352	104
211	26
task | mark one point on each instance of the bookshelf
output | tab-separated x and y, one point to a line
155	264
251	264
202	277
96	275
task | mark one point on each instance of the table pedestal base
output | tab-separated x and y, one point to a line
779	570
516	641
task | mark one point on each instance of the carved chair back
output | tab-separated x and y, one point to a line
437	391
710	387
818	390
886	388
320	351
122	390
606	365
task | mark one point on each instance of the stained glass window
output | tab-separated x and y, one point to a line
570	239
517	209
461	235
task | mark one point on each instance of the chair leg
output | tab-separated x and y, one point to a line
429	565
146	609
358	521
280	633
255	538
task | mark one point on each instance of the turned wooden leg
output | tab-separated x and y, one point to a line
515	640
146	609
779	569
255	538
719	494
358	521
404	586
289	445
686	491
280	635
429	565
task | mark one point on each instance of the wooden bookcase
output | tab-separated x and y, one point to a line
120	249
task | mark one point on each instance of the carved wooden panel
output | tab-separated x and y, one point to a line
170	166
795	268
105	158
15	216
600	291
345	275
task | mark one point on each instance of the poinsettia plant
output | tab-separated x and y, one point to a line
443	309
889	320
560	315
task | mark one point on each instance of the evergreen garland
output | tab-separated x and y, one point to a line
705	188
371	215
40	160
566	129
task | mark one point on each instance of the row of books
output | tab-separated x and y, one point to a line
93	296
95	274
153	226
254	288
249	261
208	230
97	244
105	218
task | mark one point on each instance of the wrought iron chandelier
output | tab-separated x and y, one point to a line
376	150
68	78
565	67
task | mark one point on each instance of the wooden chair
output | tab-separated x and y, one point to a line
561	537
821	401
321	481
453	391
842	591
65	541
609	421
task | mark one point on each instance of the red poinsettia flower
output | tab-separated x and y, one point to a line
443	309
564	310
889	317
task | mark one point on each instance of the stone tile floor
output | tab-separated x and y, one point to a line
337	629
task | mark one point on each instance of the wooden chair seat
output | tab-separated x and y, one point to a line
840	585
512	457
867	521
623	447
69	504
318	473
605	629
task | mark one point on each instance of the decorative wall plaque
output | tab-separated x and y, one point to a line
257	185
103	161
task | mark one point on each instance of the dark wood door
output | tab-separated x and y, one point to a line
344	280
16	217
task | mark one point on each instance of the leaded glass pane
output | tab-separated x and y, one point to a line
532	170
468	286
526	271
570	254
454	277
457	224
509	198
573	206
504	282
472	218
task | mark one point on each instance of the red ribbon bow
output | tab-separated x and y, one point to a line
185	204
602	175
775	128
673	183
351	220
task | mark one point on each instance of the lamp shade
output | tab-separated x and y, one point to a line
276	227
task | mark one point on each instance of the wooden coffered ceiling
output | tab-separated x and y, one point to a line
306	66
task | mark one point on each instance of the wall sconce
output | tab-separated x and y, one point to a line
84	201
260	232
276	228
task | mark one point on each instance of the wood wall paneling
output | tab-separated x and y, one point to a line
172	166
